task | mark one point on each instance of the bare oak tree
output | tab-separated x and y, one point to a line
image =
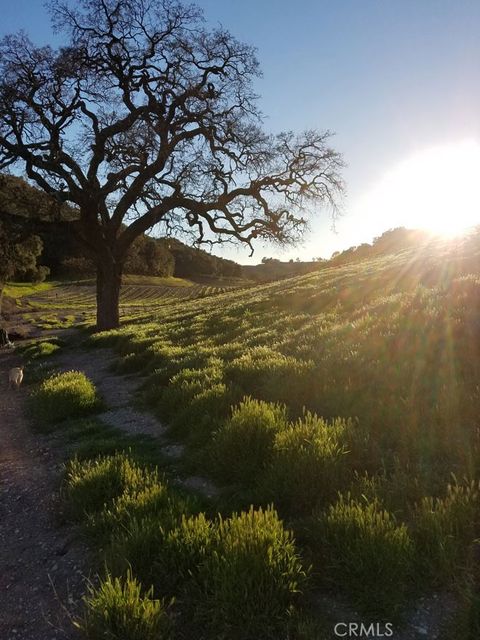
147	117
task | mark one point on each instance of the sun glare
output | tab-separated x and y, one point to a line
436	189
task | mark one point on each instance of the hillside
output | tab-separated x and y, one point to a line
385	339
361	379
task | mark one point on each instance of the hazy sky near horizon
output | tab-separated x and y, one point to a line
398	81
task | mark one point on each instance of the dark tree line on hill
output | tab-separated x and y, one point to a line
147	256
274	269
19	251
27	212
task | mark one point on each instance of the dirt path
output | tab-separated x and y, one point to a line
117	392
42	563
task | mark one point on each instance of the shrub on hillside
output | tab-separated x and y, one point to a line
360	548
41	349
243	446
152	498
249	584
272	376
64	395
308	464
443	529
206	411
137	545
184	386
237	577
183	553
114	484
117	609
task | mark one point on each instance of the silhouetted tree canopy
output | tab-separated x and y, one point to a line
146	117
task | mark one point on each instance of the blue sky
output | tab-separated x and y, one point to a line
392	78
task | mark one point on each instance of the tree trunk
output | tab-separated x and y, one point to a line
109	280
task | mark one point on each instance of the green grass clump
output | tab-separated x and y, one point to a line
20	289
250	583
238	576
243	446
104	339
46	349
64	395
308	464
163	549
268	374
118	610
197	419
53	321
151	499
361	549
41	350
185	385
93	485
125	505
183	553
443	530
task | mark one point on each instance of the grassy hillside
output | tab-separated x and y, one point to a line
138	294
356	400
347	398
20	289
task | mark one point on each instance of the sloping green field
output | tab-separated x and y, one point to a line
63	304
392	342
81	295
356	403
349	399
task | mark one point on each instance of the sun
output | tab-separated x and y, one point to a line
437	189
